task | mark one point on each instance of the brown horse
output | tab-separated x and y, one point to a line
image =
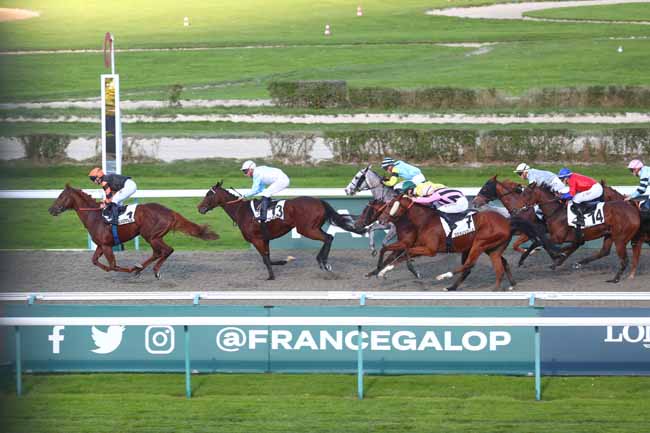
610	194
406	235
491	236
152	222
509	193
306	214
621	225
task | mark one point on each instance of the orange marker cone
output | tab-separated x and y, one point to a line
328	31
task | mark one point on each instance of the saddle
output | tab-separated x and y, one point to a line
588	207
258	202
453	218
123	214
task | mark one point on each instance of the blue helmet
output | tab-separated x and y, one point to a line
564	173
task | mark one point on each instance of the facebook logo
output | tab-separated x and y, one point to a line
56	338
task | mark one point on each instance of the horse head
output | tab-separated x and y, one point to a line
395	209
358	182
487	193
216	196
70	198
370	214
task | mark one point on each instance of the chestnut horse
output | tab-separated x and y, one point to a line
152	222
306	214
491	236
406	235
509	193
622	223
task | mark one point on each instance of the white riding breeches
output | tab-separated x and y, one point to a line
418	179
591	194
461	205
129	189
276	187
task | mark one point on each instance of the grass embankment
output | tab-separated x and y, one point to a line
325	403
32	227
512	68
619	12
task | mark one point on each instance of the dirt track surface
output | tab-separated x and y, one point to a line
41	271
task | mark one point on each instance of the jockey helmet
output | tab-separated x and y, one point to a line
248	165
634	164
95	173
522	167
407	185
564	173
387	162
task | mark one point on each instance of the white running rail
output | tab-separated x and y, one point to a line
320	296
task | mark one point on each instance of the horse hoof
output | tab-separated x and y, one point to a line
290	259
444	276
418	276
577	266
510	289
327	267
158	275
613	281
384	271
373	253
449	289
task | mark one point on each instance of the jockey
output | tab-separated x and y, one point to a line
446	201
400	169
581	189
643	173
117	189
266	180
541	177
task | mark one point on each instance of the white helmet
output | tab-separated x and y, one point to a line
522	167
248	165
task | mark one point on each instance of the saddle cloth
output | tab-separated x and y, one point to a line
126	217
275	211
464	223
593	217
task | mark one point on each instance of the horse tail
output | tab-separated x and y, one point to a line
533	231
188	227
346	222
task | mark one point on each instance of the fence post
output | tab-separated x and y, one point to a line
19	364
188	372
362	302
538	365
136	241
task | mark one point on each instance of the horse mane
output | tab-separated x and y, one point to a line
219	186
87	197
545	188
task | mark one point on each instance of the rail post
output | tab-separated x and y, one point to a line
19	364
538	365
188	372
362	302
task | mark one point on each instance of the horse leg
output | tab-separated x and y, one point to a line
371	240
637	244
317	234
517	245
472	257
528	252
108	252
411	267
497	265
621	250
381	262
462	276
165	251
564	254
404	255
98	253
262	247
506	267
604	251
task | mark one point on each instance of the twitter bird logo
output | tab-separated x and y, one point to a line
108	341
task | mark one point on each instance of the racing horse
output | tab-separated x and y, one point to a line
509	193
610	194
621	224
366	179
306	214
152	222
491	236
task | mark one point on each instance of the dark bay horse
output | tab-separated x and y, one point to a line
306	214
491	236
152	222
510	194
622	223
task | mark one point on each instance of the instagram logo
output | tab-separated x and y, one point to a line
159	340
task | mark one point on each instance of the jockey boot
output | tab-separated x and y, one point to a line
264	207
115	213
579	221
452	227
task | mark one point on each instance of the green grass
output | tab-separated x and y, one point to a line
512	68
325	403
137	23
619	12
33	228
